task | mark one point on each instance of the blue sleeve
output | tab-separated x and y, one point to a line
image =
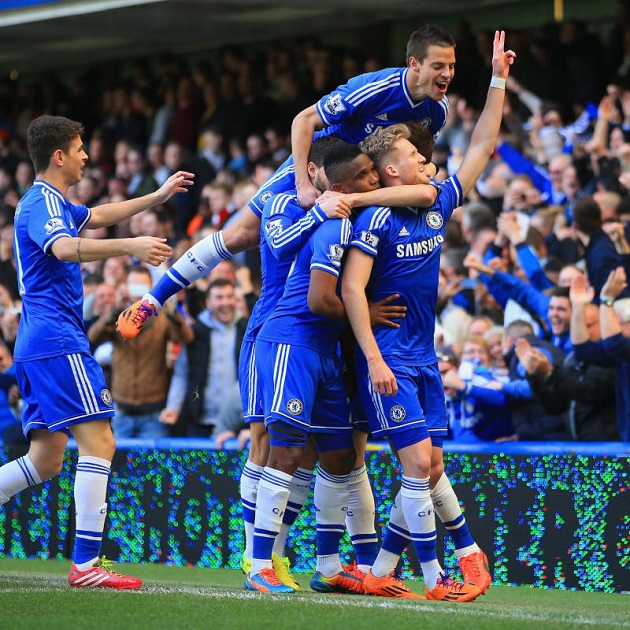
487	396
520	292
591	352
369	228
518	388
532	267
521	165
329	245
283	231
45	229
347	99
617	347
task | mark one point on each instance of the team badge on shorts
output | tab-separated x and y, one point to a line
295	406
397	413
106	396
435	220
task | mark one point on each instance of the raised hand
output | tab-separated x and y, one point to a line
501	59
580	293
615	283
174	184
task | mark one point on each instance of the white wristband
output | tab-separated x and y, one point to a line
498	82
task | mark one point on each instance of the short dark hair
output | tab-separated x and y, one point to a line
562	292
47	134
421	138
587	215
428	35
336	160
219	283
321	147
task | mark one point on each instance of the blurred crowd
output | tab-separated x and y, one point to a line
549	217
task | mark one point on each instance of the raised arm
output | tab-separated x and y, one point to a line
112	213
486	130
304	126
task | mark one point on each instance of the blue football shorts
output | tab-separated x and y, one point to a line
302	387
62	391
416	412
249	383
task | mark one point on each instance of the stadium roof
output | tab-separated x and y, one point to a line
42	34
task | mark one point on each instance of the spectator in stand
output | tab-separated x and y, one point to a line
476	411
155	156
206	367
529	420
141	181
599	249
140	374
614	320
230	423
585	391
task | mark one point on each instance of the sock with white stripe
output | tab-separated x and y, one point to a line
250	478
420	516
196	263
450	513
16	476
331	504
90	490
271	502
360	518
395	540
299	487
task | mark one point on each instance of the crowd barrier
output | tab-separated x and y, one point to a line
548	515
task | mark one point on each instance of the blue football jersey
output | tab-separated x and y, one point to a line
284	228
52	290
292	322
355	110
406	244
377	99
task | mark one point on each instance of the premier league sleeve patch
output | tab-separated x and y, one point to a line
334	105
273	227
335	254
369	238
54	225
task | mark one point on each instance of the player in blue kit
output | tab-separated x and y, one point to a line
63	387
399	381
285	227
303	391
351	112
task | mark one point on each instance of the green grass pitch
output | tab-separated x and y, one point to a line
34	595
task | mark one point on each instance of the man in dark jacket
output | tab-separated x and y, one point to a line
530	420
585	390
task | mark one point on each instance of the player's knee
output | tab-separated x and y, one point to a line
339	462
49	466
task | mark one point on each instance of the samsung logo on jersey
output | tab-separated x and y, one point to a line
411	250
54	224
